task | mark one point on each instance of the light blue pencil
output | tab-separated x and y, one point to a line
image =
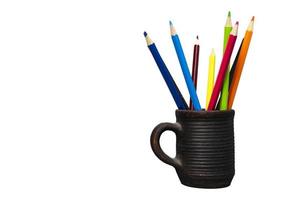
185	68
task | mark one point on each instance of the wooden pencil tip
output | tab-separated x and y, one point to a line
212	51
251	24
172	28
228	20
235	29
229	14
148	39
197	40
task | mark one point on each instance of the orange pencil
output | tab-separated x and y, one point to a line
240	63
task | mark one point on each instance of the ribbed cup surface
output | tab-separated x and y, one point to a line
206	148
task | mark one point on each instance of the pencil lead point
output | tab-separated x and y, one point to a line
197	37
252	18
229	14
145	34
170	22
237	23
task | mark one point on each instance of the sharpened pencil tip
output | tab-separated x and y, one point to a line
235	29
228	20
250	26
148	39
172	28
197	40
212	51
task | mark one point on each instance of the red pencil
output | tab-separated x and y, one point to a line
195	67
223	67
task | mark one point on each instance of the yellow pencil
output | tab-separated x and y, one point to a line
211	76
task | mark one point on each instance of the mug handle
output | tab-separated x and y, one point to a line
155	144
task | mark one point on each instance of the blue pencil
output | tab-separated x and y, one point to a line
185	68
177	96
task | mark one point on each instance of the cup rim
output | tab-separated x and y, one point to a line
204	113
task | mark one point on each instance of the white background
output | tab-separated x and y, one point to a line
80	94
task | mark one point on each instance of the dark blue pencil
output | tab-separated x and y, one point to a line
177	96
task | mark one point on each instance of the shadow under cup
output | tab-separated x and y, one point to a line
204	147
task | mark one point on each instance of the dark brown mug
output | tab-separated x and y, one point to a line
204	147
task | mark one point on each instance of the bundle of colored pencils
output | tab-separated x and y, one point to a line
220	93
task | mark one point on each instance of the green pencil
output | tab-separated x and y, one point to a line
225	88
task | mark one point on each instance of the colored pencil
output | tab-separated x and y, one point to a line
225	88
231	71
176	94
185	68
211	76
223	67
195	67
240	63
